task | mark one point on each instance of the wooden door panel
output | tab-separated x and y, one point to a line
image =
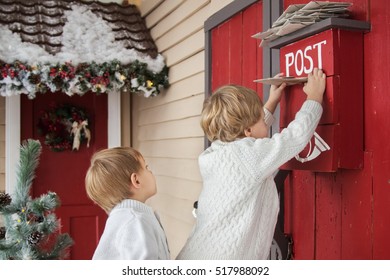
85	224
64	172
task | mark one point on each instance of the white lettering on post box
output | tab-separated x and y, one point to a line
305	60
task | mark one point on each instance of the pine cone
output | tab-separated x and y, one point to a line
35	79
34	238
5	199
2	232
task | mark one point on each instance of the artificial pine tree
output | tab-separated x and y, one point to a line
31	227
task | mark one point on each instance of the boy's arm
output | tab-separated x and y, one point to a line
275	94
268	154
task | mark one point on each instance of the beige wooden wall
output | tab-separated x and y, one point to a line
2	144
166	128
2	148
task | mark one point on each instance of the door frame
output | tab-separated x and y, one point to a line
12	133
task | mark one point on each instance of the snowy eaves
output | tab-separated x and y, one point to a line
75	32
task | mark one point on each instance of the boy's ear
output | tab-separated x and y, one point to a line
135	181
248	132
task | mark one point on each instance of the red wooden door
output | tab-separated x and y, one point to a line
64	172
235	56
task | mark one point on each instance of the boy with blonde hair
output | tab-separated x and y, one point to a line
119	181
238	206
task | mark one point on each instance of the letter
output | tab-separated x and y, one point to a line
319	52
308	57
299	71
288	63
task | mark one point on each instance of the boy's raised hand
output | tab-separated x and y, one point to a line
275	94
315	86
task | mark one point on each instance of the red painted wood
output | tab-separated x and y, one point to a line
233	49
82	222
236	49
327	160
381	202
377	121
220	55
64	172
315	51
303	214
363	230
330	50
328	216
357	190
294	97
251	65
259	50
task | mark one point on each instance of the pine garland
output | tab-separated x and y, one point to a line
21	78
31	227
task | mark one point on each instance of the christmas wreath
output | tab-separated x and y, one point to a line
64	127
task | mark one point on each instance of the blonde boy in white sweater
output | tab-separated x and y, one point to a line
238	206
119	181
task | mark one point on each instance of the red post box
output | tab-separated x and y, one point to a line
338	140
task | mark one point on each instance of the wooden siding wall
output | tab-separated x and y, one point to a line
344	215
166	128
2	144
2	147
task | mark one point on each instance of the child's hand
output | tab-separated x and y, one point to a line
275	94
315	86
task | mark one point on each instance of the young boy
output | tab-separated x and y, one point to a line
238	206
119	181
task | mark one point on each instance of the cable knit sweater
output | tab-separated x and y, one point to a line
238	206
132	232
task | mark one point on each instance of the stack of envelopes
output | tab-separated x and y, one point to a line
298	16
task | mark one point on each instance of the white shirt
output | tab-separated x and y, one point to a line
132	232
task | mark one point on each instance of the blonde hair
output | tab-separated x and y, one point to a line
229	111
108	178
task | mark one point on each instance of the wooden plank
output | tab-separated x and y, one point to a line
187	48
220	49
250	63
191	86
191	66
377	108
181	109
259	51
183	30
176	129
173	207
303	214
357	213
148	6
186	169
126	119
179	14
179	188
381	198
173	148
166	8
235	50
328	216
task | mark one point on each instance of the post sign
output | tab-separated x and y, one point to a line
338	140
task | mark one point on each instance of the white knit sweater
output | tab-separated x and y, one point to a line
132	232
238	206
